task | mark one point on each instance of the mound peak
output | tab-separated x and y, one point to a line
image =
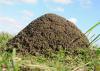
48	33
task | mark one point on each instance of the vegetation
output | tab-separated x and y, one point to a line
76	60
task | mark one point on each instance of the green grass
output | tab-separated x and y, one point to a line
81	58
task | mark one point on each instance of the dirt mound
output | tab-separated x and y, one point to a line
49	33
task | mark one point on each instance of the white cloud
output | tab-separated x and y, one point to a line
0	30
60	9
63	1
7	20
55	8
27	14
60	1
6	2
73	20
28	1
10	25
85	3
11	2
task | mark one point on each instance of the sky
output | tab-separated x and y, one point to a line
17	14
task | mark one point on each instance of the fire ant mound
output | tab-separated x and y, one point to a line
49	33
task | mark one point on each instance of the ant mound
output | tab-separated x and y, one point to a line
48	33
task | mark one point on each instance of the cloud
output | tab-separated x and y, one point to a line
57	8
63	1
28	1
60	9
60	1
9	25
7	20
12	2
0	30
6	2
27	14
73	20
85	3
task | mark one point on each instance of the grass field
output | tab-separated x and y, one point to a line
85	59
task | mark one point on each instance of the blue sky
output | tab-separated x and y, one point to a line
16	14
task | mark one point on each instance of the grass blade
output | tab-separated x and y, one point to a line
95	39
95	25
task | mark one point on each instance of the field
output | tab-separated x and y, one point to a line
79	59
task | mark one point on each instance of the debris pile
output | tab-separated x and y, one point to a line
48	33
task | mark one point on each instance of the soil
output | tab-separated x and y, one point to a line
48	34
